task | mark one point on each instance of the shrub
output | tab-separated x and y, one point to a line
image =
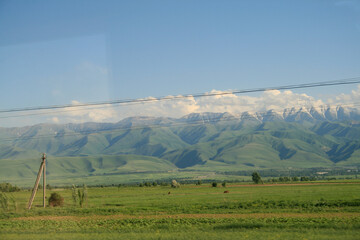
79	195
82	196
175	184
56	200
223	184
7	187
214	184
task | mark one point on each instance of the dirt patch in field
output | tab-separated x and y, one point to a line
179	216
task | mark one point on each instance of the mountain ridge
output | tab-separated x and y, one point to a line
198	141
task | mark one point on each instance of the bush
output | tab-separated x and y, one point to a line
214	184
7	187
56	200
79	195
175	184
223	184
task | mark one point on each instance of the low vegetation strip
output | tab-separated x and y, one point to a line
195	216
101	225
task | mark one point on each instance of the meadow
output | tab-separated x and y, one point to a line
316	210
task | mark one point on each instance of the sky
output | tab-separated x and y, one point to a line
68	52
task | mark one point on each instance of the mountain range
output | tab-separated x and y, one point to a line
293	138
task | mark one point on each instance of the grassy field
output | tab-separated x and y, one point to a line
273	211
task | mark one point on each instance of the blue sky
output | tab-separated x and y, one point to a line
57	52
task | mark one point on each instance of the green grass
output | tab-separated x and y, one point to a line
279	211
188	229
206	199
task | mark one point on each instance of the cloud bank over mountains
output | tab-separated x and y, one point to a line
234	104
178	106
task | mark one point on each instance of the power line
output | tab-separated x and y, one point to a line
179	123
199	95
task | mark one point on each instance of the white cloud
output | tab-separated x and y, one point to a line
55	120
350	100
84	114
178	106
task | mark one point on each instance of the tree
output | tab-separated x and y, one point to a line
214	184
287	179
295	179
256	178
223	184
304	179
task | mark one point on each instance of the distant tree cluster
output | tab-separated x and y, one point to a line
215	184
308	179
149	184
7	187
292	179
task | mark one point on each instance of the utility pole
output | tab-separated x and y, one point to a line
41	169
44	179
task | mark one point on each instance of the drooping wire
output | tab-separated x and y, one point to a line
199	95
174	123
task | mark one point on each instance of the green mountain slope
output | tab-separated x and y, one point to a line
134	146
65	167
270	145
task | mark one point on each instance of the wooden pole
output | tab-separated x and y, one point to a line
44	180
42	165
35	186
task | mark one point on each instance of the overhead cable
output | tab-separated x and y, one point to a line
210	94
